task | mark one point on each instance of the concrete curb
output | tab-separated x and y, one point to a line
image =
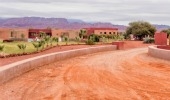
10	71
159	53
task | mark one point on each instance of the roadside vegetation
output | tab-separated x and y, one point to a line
141	30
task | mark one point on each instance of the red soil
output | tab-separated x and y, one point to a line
124	74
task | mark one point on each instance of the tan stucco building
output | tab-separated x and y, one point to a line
9	33
101	31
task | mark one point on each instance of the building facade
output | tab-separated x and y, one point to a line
101	31
11	33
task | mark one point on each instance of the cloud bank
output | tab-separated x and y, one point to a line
115	11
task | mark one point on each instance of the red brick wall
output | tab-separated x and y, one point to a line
160	38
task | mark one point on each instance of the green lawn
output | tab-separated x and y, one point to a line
12	48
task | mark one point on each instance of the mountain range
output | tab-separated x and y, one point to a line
62	23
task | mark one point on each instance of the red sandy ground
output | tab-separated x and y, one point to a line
125	74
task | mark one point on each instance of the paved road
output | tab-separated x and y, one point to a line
128	74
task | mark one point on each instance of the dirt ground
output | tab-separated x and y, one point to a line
128	74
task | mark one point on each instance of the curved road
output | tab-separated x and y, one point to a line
129	74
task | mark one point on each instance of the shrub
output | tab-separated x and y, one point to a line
1	47
96	38
66	39
90	40
22	47
77	39
47	39
37	45
148	40
55	39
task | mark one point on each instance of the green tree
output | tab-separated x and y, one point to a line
140	29
166	31
22	47
82	33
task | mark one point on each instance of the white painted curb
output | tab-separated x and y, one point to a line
159	53
10	71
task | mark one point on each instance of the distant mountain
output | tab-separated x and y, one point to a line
63	23
40	22
161	27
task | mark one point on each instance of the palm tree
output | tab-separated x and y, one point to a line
82	33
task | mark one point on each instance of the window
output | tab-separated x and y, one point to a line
113	32
100	32
104	32
110	32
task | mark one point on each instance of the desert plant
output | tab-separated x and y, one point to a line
43	34
148	40
1	48
37	45
22	47
103	39
77	40
66	39
47	40
90	40
42	42
22	36
120	37
56	39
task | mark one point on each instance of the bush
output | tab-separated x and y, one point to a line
90	40
22	47
2	47
96	38
148	40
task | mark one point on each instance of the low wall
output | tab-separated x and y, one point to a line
10	71
164	47
159	53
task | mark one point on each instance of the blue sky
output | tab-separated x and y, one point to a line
113	11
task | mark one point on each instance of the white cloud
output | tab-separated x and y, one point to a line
114	11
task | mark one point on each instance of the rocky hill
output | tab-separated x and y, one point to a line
39	22
63	23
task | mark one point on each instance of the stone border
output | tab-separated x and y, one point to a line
10	71
159	53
